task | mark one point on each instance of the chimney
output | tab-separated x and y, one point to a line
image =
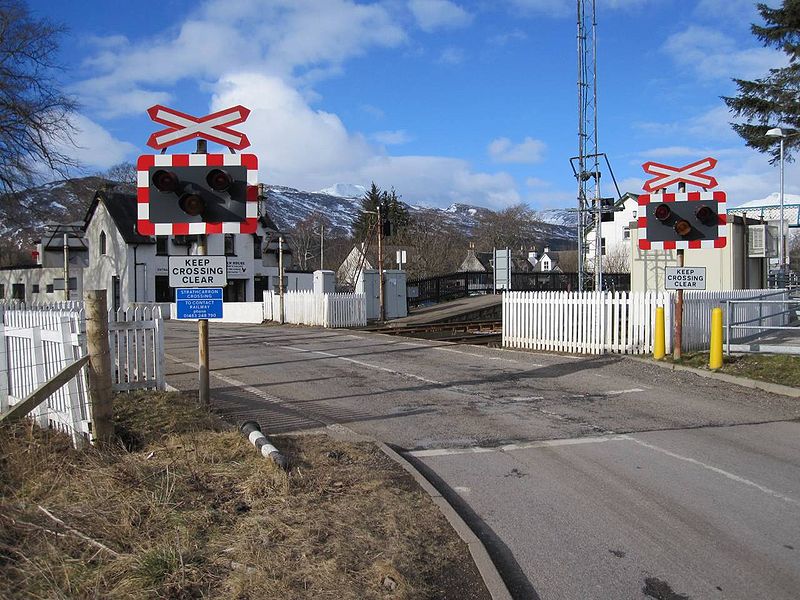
546	249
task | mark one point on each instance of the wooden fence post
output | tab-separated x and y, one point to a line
100	391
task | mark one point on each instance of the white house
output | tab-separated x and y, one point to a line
615	236
134	268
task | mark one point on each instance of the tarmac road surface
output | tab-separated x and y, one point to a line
586	477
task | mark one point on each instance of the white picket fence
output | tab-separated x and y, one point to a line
582	323
37	342
321	310
620	322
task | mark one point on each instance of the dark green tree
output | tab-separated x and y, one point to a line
774	100
392	209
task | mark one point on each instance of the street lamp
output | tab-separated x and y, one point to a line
778	133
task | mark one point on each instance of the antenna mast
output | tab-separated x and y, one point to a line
588	172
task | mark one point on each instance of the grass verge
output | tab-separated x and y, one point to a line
186	508
773	368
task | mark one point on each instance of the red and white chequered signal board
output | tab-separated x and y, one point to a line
146	162
722	221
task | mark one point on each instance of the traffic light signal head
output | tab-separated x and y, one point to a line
683	220
197	193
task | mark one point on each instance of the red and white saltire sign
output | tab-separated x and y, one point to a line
693	174
214	127
722	221
147	161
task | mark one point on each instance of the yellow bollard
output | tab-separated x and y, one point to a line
659	349
715	351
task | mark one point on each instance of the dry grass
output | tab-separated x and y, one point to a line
188	509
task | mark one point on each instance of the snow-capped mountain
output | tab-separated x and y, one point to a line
345	190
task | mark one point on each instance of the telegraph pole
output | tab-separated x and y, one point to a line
380	263
204	393
66	267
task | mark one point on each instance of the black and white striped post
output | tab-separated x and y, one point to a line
252	430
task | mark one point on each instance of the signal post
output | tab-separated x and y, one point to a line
198	194
682	220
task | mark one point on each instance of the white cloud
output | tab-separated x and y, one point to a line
310	149
713	125
302	40
391	138
95	146
529	151
503	39
439	14
710	54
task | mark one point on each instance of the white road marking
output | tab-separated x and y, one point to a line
724	473
618	392
514	447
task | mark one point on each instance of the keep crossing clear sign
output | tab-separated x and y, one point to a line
197	271
685	278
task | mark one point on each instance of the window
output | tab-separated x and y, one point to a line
164	293
2	291
49	289
230	244
603	246
35	288
162	246
102	242
626	233
257	241
18	291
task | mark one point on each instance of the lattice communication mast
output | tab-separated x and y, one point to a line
588	160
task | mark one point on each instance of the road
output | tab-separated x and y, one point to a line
586	477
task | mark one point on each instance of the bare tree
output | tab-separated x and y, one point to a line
124	172
618	260
511	227
435	246
305	238
34	113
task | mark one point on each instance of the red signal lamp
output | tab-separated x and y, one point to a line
219	180
663	212
705	215
165	181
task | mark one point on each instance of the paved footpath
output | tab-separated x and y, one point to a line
586	477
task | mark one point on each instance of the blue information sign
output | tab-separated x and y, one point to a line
199	303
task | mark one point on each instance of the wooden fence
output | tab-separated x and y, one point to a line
583	322
37	342
321	310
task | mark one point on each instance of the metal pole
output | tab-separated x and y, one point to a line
66	267
280	276
782	249
380	263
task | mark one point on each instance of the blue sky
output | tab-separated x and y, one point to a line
469	101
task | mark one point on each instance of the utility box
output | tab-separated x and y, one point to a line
324	282
394	294
367	284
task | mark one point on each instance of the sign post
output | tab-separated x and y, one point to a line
682	221
198	194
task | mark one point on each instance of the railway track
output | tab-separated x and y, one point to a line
483	333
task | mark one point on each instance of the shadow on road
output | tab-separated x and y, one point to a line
515	579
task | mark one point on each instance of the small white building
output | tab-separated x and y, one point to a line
134	268
615	236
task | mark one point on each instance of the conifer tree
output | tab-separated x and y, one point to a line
773	100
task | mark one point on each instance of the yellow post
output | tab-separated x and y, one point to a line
659	349
715	351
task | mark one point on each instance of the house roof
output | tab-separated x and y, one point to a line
122	209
